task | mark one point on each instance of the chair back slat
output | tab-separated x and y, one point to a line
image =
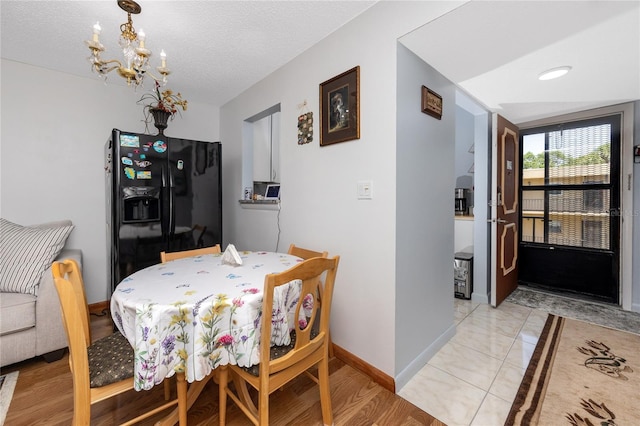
304	253
167	256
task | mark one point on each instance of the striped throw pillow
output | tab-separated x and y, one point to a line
27	251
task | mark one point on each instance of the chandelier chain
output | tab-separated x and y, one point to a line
127	30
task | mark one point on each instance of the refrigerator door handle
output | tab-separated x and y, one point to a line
166	214
172	213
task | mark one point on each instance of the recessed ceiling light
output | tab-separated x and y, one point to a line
554	73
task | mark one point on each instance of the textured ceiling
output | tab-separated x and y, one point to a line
215	49
493	50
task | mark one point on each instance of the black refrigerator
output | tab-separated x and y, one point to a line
163	194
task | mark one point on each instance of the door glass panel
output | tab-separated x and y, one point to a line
533	202
566	186
532	229
574	154
593	235
569	213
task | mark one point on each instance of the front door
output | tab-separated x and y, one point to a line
505	207
570	239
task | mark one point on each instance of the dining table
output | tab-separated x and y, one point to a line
189	316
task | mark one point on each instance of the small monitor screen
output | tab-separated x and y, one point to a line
272	192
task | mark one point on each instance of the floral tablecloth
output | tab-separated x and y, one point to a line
191	315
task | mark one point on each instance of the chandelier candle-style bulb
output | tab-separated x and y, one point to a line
141	37
94	44
162	69
96	31
142	52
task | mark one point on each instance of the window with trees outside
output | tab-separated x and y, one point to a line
566	189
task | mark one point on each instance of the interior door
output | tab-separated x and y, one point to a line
505	208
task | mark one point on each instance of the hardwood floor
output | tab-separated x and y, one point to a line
43	396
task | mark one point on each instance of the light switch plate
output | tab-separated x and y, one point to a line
365	190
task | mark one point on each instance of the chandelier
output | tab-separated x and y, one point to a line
135	65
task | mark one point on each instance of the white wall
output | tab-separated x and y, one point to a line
54	127
481	210
464	141
425	166
463	235
319	206
635	215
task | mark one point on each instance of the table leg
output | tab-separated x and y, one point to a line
186	398
182	399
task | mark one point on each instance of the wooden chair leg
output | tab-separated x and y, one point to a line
243	395
325	393
263	407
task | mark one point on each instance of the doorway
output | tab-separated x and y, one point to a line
570	217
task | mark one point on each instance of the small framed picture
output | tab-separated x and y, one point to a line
340	108
431	103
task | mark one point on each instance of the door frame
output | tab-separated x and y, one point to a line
626	188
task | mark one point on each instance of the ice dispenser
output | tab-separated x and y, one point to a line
141	204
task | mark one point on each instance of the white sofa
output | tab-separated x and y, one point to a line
30	319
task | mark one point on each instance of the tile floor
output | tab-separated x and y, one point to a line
474	378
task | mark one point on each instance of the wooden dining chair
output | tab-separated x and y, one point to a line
304	253
280	364
167	256
100	369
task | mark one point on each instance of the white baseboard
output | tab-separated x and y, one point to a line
480	298
421	360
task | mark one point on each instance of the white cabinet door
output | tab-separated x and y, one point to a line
262	150
266	149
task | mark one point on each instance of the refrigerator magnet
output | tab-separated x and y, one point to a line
160	146
131	141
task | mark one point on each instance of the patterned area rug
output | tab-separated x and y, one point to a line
7	385
580	374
